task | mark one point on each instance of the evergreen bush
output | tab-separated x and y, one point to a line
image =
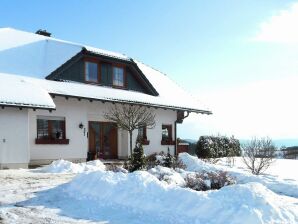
212	147
137	161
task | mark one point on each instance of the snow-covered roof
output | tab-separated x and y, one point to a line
28	54
34	92
18	91
169	91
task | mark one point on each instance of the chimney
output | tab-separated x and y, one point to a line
43	32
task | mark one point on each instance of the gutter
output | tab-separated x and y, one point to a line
21	106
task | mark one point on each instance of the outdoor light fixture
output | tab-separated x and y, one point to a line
81	125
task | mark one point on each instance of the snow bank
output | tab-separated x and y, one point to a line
168	175
287	187
142	193
63	166
194	164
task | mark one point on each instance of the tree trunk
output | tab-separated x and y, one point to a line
130	142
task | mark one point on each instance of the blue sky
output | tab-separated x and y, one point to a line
233	55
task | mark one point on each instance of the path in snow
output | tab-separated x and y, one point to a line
21	185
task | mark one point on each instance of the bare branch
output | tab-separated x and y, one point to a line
258	154
131	117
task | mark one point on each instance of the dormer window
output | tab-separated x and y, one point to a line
118	76
91	71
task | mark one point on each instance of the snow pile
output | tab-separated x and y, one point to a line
168	175
287	187
142	193
63	166
194	164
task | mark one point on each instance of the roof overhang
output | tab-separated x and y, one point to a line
134	103
27	106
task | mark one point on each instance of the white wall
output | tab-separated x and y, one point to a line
154	135
76	112
14	145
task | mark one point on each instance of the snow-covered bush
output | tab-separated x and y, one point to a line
162	159
199	181
115	168
168	175
214	147
208	180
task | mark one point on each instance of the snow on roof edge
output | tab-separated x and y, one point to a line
164	74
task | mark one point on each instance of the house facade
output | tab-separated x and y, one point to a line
54	93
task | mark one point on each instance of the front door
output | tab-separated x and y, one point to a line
102	140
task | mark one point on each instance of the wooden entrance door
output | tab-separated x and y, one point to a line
102	140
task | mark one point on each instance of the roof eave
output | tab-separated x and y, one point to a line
27	106
134	103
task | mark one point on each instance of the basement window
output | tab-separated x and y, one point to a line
91	71
51	130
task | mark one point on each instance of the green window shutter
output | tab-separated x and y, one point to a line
106	74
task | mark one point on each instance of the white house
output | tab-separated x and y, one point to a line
53	94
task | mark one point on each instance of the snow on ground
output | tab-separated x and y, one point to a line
52	195
63	166
142	193
273	178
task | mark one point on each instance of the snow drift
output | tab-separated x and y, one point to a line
142	192
276	184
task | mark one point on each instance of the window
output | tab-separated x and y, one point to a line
142	135
118	76
51	130
167	135
91	71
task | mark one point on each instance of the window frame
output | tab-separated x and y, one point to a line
168	141
92	60
50	139
124	75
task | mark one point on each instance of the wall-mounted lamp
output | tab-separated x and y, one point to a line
81	125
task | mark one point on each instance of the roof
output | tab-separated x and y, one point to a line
19	91
29	58
39	55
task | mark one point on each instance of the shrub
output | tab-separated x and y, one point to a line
166	160
214	147
151	161
196	182
116	168
137	161
208	180
258	154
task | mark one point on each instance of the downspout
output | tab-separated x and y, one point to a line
175	147
176	143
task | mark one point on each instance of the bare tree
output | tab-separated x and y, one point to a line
258	154
131	117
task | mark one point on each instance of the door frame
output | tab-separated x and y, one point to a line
101	127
